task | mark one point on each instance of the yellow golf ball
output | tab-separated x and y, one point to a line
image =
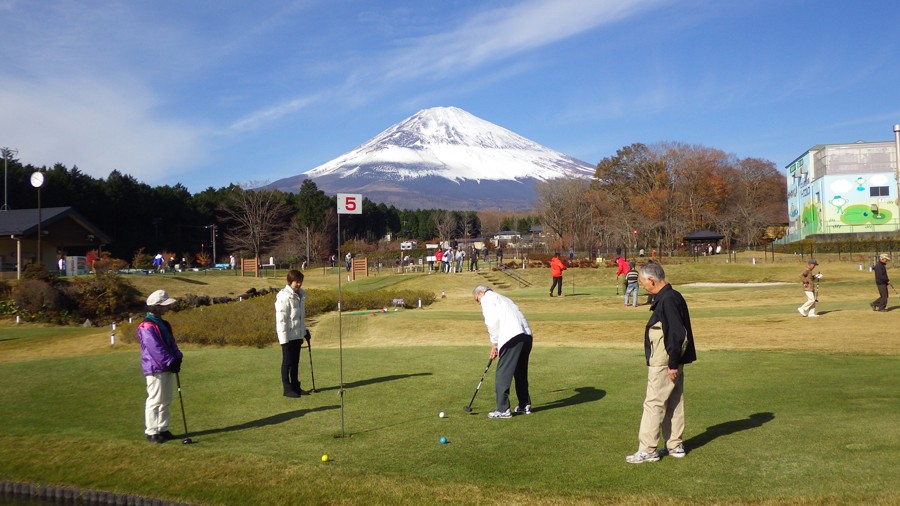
324	458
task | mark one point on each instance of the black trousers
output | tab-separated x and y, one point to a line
513	364
881	301
557	282
290	361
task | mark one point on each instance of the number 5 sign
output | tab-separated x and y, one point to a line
349	203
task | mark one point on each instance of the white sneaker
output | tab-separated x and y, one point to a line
677	452
641	457
800	310
813	315
523	411
500	414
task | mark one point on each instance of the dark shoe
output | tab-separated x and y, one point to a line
166	435
873	306
289	392
155	438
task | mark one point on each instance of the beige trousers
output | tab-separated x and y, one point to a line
159	396
663	409
809	307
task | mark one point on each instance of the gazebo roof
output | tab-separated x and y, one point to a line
703	235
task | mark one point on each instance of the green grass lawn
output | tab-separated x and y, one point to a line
780	409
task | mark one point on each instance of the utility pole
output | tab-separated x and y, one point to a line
6	153
213	238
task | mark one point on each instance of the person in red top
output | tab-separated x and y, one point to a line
556	268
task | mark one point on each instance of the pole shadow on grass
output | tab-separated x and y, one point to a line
727	428
191	281
371	381
262	422
582	395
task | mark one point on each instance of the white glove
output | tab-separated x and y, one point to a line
818	276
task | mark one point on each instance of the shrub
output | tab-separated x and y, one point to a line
38	300
104	296
142	260
107	265
251	322
36	271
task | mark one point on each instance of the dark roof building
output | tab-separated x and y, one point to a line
62	231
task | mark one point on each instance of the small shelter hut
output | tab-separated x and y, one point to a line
702	240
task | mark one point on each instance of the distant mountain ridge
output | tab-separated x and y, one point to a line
444	157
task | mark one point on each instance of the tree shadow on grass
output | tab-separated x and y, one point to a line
371	381
262	422
581	396
727	428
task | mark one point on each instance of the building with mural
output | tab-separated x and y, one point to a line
843	189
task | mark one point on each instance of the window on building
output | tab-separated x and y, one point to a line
879	191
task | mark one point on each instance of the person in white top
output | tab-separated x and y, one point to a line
511	340
290	326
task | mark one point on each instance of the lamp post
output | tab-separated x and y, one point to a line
6	152
37	180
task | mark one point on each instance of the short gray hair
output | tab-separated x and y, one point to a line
479	289
653	270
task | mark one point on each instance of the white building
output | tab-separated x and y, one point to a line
843	189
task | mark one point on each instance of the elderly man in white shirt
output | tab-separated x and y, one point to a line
511	340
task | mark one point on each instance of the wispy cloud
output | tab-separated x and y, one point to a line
258	118
497	34
98	125
482	40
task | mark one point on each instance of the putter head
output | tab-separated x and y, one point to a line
186	441
313	390
467	409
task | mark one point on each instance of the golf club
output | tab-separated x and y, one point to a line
468	408
892	287
309	351
186	440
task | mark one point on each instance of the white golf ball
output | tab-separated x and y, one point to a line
441	414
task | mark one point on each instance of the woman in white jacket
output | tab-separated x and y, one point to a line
290	325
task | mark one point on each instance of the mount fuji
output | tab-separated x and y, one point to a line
444	157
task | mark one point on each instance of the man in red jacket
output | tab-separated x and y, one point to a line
556	268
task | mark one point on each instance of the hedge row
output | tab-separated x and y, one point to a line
251	322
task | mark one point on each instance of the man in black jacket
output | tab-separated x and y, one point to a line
668	345
881	282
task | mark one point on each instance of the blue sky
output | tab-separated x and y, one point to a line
206	93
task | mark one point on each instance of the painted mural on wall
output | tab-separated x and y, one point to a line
860	201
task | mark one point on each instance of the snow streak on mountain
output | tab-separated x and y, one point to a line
444	157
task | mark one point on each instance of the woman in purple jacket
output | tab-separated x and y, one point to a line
160	362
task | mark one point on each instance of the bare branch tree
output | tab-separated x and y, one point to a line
256	219
445	223
559	204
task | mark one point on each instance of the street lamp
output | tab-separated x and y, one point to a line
37	180
6	152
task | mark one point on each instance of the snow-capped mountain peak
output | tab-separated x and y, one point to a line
451	143
444	157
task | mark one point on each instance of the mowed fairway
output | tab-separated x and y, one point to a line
780	409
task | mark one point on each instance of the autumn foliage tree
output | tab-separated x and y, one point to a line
666	191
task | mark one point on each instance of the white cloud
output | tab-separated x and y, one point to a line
98	125
272	113
499	33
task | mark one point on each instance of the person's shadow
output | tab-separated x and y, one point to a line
582	395
262	422
726	428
